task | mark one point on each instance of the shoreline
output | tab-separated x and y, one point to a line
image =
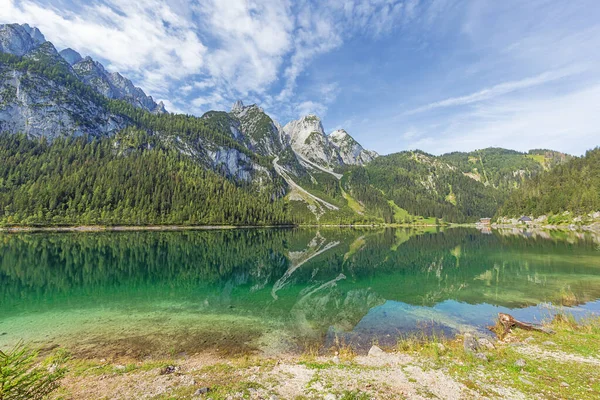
158	228
517	365
134	228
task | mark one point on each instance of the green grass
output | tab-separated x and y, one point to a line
400	214
541	376
540	158
352	203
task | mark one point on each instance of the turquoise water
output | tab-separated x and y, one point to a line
142	294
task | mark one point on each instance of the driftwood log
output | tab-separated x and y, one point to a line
508	321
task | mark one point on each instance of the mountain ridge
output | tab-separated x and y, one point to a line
20	40
308	175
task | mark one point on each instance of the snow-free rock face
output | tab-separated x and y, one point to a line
71	56
18	39
36	106
349	150
25	41
113	85
308	139
262	135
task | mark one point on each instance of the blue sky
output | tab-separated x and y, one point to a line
439	75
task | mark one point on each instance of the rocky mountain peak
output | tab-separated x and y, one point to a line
237	106
19	39
338	135
34	33
160	108
308	139
300	130
25	41
71	56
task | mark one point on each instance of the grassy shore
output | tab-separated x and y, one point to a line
525	364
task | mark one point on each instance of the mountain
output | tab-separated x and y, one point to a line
40	95
504	169
349	150
402	186
22	40
70	56
308	139
571	189
19	39
112	84
95	149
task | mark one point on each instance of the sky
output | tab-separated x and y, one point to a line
437	75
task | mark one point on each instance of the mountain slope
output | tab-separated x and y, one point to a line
402	185
297	173
573	187
22	40
132	178
308	139
39	96
501	168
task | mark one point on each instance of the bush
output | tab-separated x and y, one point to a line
21	377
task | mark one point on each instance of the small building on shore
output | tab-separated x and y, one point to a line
485	221
526	220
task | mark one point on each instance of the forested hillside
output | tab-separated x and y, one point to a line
504	169
130	179
77	148
402	185
573	187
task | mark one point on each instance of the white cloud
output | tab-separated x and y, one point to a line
499	90
146	41
568	122
213	51
252	39
311	107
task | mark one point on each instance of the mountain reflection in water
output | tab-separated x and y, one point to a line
274	290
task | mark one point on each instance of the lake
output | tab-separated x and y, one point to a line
272	291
